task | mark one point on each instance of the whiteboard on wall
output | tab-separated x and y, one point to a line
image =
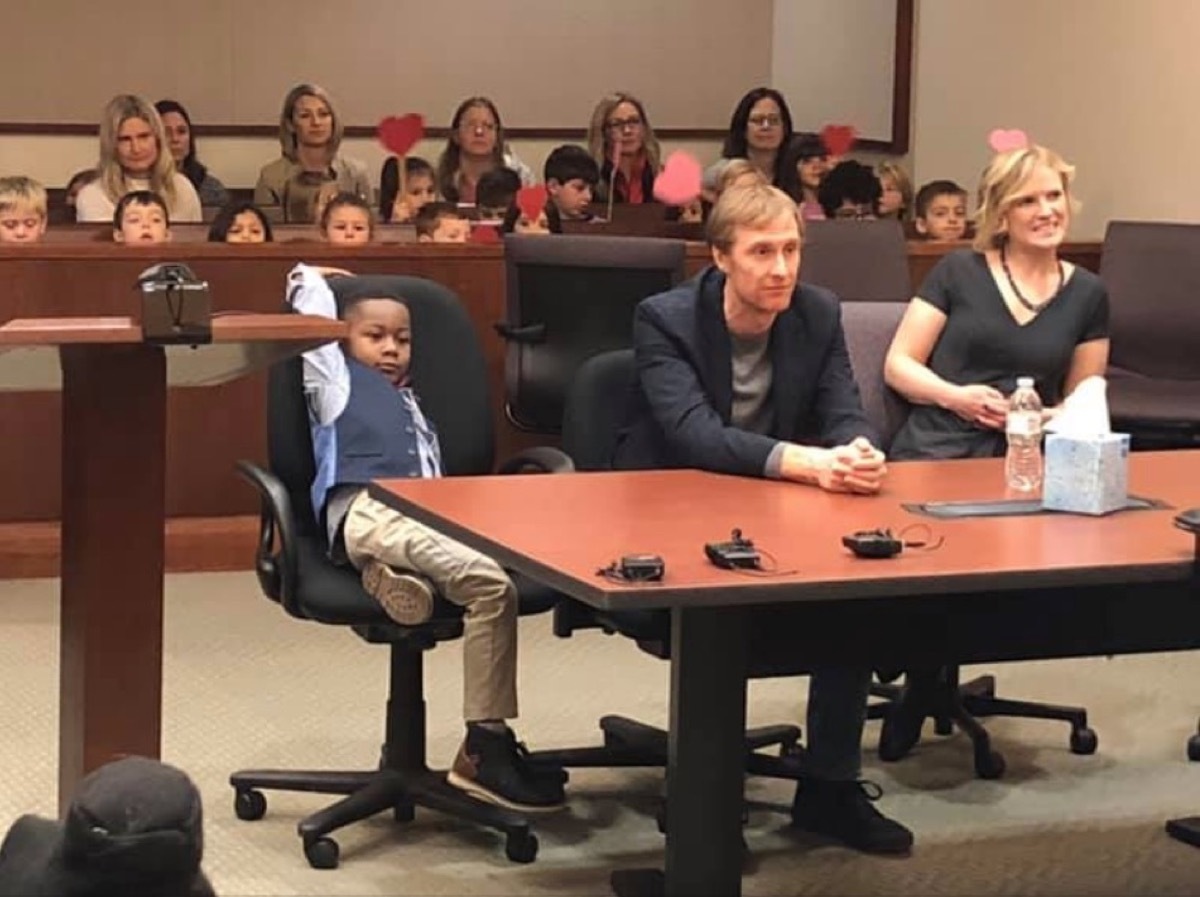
835	62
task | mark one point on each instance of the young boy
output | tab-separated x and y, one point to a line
347	220
420	188
141	218
495	192
22	210
571	175
941	211
850	191
442	222
360	397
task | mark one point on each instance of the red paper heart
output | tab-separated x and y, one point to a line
838	139
1001	140
399	134
531	201
679	181
484	233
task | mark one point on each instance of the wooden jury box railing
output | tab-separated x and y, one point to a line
78	275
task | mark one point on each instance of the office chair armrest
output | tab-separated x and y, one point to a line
539	459
276	570
530	334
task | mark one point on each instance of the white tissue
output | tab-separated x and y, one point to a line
1085	411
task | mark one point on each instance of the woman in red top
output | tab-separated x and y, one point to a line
621	129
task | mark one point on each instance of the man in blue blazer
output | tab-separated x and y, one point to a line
743	370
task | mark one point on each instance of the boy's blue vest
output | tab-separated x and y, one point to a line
375	437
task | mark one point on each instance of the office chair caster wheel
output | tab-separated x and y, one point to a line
521	847
1084	741
989	765
249	806
321	853
1194	748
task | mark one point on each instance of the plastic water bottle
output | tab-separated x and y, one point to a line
1023	427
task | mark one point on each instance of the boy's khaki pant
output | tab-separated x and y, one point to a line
462	576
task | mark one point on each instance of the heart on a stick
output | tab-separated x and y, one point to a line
485	234
679	181
399	134
838	139
1002	140
531	201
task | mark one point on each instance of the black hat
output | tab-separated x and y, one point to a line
134	827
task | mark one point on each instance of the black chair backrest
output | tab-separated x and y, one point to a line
869	327
861	261
1152	272
574	296
595	409
448	373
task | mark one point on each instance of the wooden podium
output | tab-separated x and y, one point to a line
114	410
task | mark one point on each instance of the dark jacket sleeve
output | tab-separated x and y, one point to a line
692	428
838	403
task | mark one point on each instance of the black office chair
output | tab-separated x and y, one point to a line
594	413
294	571
861	261
568	298
1153	278
869	327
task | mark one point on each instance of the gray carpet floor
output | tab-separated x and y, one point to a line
247	686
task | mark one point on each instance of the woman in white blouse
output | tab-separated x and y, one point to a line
133	156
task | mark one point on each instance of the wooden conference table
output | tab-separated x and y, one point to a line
114	434
998	588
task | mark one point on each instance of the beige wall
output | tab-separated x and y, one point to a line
236	161
1108	83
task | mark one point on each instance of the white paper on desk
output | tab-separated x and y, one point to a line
1085	411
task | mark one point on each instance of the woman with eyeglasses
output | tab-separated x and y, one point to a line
759	129
623	144
475	147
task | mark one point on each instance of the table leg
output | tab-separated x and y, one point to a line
113	504
705	774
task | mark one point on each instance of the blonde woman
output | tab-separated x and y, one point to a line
1007	307
621	128
897	199
310	134
133	156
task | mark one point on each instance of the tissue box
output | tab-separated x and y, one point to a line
1086	474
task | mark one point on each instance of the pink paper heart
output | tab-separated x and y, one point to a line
1001	140
679	181
531	201
399	134
838	139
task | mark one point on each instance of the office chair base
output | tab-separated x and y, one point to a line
960	705
368	793
629	743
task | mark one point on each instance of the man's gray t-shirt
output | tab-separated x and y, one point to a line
752	377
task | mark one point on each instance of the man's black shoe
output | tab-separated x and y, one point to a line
489	767
845	811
